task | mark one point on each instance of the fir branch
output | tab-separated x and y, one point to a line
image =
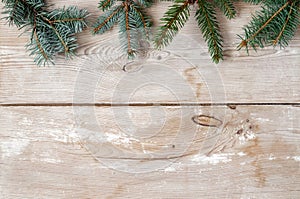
106	21
227	7
70	17
40	48
39	45
65	20
141	27
275	24
145	3
141	17
177	15
173	20
132	21
267	22
284	25
13	10
52	31
129	50
106	4
59	36
255	2
208	24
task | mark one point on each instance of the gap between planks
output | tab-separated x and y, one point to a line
149	104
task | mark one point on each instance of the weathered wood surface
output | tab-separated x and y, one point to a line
47	154
147	136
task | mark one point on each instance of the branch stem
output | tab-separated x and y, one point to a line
267	22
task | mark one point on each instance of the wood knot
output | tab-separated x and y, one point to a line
206	120
159	55
132	66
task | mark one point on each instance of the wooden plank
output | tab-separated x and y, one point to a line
238	81
182	73
109	152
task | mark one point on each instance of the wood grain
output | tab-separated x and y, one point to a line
48	153
182	73
102	126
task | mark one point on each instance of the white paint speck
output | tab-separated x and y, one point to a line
13	147
296	158
120	139
241	153
47	160
25	121
67	136
263	119
51	160
112	137
272	157
170	169
175	166
143	148
213	159
249	135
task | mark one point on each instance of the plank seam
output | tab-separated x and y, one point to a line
152	104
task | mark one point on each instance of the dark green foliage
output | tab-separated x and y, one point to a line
52	32
208	24
130	15
177	15
107	20
275	24
106	4
227	7
254	1
173	20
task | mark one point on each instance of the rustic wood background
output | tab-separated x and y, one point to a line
96	127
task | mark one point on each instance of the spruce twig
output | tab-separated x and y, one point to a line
227	7
173	20
132	20
275	24
208	24
178	14
53	31
284	26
